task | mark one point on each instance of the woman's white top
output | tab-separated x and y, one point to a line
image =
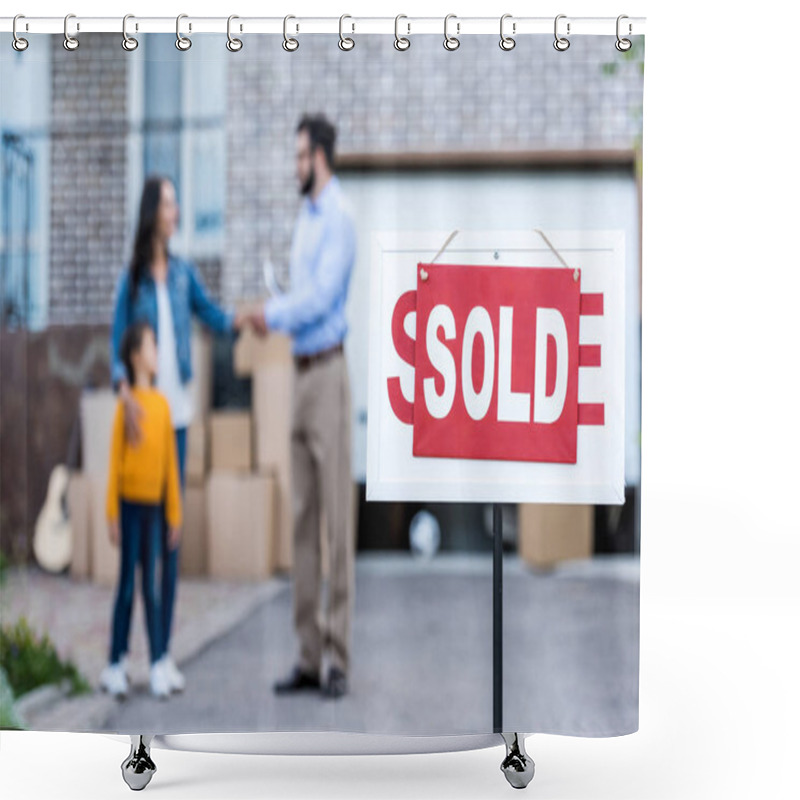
169	379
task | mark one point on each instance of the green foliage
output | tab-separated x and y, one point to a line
3	567
8	715
31	661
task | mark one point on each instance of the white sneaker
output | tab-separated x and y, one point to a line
159	682
175	676
114	681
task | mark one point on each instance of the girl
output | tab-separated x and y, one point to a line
141	478
165	291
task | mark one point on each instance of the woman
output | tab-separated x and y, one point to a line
165	291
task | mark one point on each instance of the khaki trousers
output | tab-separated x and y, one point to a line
322	483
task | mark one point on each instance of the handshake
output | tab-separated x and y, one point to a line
252	315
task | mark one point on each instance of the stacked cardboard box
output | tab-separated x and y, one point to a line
231	433
242	500
549	533
193	558
79	513
241	522
89	523
269	362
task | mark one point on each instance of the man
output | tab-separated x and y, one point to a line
313	313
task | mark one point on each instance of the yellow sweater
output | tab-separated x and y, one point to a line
148	472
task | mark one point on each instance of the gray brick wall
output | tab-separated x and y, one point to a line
88	167
426	100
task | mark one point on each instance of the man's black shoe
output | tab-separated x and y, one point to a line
336	685
296	681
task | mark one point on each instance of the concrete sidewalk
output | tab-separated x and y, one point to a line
422	650
422	656
76	615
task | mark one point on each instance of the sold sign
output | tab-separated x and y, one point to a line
496	359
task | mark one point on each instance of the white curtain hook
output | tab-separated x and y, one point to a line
182	42
451	42
18	43
561	43
70	42
507	42
345	42
401	42
128	42
289	43
233	44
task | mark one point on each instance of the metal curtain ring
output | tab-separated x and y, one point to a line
233	44
128	42
289	44
18	43
401	42
451	42
345	42
507	42
182	42
621	44
70	42
561	43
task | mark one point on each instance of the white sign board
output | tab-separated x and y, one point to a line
513	391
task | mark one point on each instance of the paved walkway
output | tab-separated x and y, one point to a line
77	617
422	651
422	656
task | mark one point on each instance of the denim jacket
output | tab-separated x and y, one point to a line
187	295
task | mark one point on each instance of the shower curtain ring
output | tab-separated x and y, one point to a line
233	44
70	42
18	43
507	42
401	42
182	42
128	42
621	44
451	42
561	43
289	44
345	42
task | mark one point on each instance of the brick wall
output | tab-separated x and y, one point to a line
88	167
426	100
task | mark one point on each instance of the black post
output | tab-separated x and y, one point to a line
497	596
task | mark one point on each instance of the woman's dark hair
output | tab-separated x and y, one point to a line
143	242
321	133
131	344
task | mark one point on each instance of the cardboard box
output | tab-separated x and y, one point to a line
105	557
197	451
252	351
79	509
272	421
231	440
550	533
201	384
194	540
97	408
241	525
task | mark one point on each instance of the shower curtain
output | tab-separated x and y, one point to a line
402	319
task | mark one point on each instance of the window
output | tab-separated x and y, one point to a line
179	99
24	189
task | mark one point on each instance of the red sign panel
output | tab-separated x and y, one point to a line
496	363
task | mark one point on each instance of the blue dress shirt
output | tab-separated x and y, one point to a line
322	256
